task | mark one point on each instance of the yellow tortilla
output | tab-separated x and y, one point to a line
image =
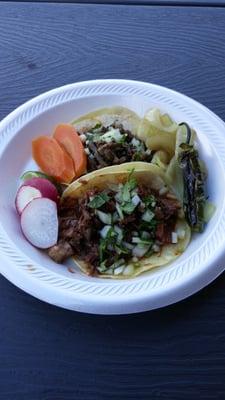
107	116
149	175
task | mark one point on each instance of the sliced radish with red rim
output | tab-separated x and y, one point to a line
24	195
39	223
46	187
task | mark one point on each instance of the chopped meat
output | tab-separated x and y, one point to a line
80	228
110	206
92	164
159	232
169	207
128	219
163	233
102	154
92	256
60	251
96	155
159	213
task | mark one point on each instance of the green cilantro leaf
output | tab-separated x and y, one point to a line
150	201
98	200
128	208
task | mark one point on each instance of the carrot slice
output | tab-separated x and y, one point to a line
68	138
52	159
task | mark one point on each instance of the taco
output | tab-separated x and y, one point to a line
109	136
120	221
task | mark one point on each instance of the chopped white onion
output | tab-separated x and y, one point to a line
128	246
148	152
118	197
119	232
104	231
109	271
147	216
118	263
140	251
119	270
174	237
112	134
87	151
156	248
136	199
134	259
135	142
145	235
115	217
136	239
105	218
120	212
83	138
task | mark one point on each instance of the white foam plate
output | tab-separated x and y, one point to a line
32	271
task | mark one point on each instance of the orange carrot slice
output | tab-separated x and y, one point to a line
52	159
68	138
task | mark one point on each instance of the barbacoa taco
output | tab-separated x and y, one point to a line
120	221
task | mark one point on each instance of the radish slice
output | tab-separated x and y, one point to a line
39	223
46	187
24	195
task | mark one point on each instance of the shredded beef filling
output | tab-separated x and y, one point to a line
80	227
102	154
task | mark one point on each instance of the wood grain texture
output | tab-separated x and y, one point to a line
176	353
211	3
43	46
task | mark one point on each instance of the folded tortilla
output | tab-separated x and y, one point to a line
149	175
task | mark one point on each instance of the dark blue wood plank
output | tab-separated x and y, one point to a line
45	45
213	3
50	354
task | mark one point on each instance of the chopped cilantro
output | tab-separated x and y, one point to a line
137	156
98	200
150	201
128	207
126	192
119	210
149	252
124	196
104	242
150	226
93	137
97	126
102	267
144	243
121	249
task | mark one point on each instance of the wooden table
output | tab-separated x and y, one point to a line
176	353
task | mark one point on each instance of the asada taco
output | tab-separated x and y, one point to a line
109	136
120	221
